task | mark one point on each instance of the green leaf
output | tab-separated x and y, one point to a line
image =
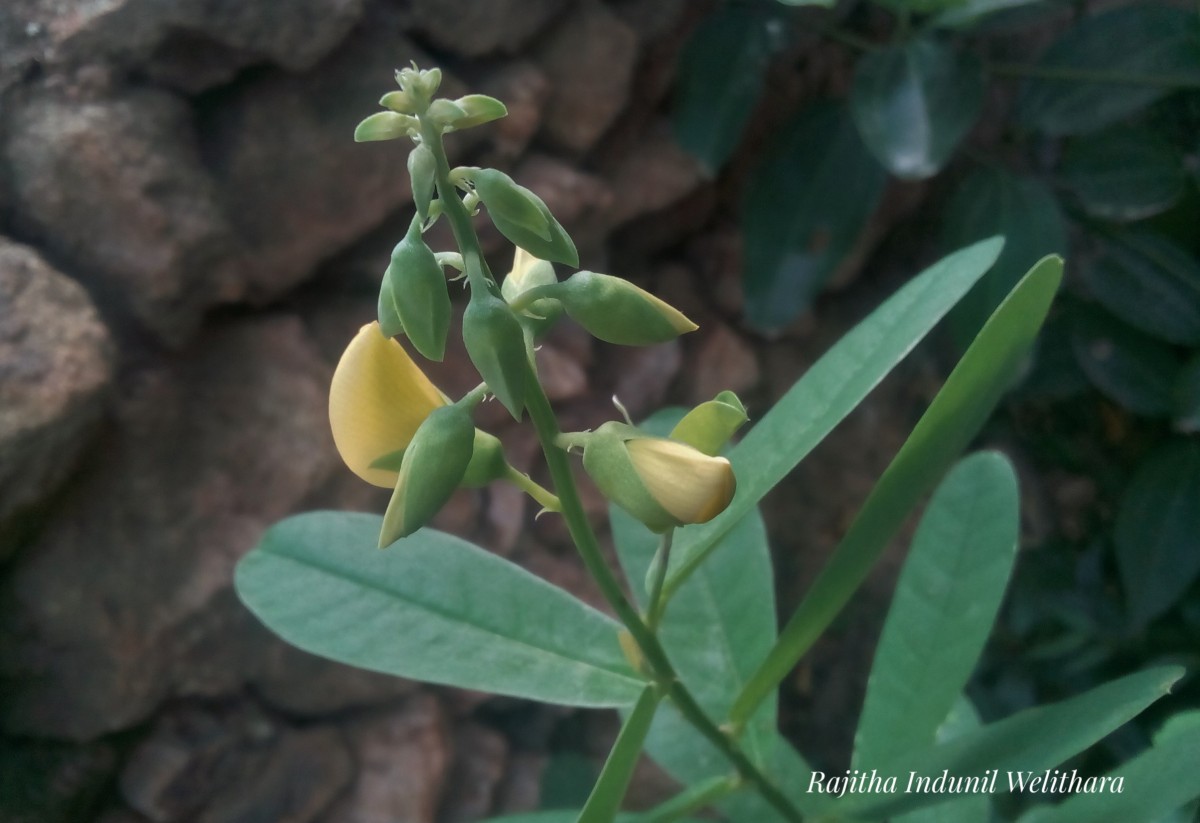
1186	396
990	202
959	410
1030	741
440	610
605	801
721	75
830	390
1125	173
555	816
1136	55
805	207
946	601
1157	534
1150	283
970	12
914	103
1134	370
971	808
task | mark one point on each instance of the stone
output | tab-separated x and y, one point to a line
297	187
49	782
114	188
124	599
234	767
644	375
403	757
524	90
561	376
55	370
472	29
655	175
521	789
480	757
590	55
721	361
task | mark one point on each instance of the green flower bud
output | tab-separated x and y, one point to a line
529	273
444	114
433	467
422	167
479	109
397	101
522	216
414	291
709	426
419	86
616	311
487	461
496	345
661	482
384	125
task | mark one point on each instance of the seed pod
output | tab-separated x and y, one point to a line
496	345
522	216
422	168
616	311
415	284
433	467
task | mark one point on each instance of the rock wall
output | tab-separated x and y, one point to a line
188	238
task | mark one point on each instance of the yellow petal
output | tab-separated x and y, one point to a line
690	485
377	400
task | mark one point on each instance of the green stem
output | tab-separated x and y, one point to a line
1094	75
693	799
546	498
658	575
546	425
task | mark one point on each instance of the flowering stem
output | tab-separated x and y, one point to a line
547	499
658	574
546	424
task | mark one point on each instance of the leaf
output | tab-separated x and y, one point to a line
1186	397
438	609
721	75
716	629
1157	533
608	793
1150	283
1156	782
1130	368
914	103
1125	173
946	601
970	12
805	207
1031	741
830	390
959	410
990	202
1156	44
972	808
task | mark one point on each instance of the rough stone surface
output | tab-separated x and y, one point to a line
721	361
402	760
480	756
654	175
207	450
474	29
222	767
590	55
115	188
55	366
43	782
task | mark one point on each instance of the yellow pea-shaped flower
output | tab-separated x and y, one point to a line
377	401
692	486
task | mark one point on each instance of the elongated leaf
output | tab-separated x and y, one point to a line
1150	283
805	206
946	601
720	79
1186	396
1030	741
436	608
830	390
608	793
914	103
1132	369
1157	534
1124	173
555	816
972	808
989	202
970	12
986	371
694	798
1155	46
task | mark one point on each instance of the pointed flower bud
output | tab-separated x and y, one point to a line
422	169
527	273
478	109
433	467
709	426
384	125
377	401
661	482
419	86
496	345
522	216
444	114
616	311
415	289
397	101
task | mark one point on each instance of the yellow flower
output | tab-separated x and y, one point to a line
377	401
690	485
